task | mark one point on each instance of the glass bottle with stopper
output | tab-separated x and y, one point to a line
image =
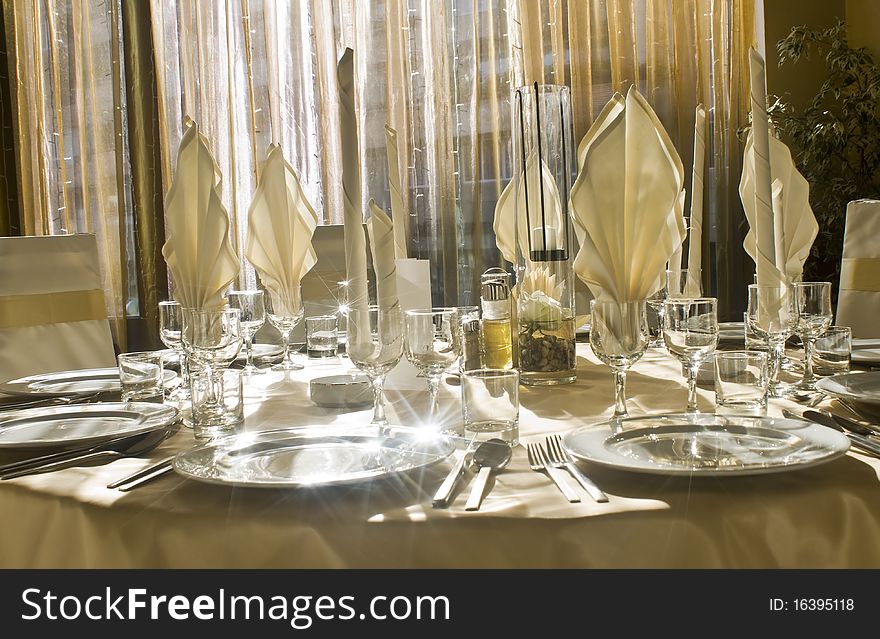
544	169
496	325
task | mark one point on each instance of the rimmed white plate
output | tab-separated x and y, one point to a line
860	387
78	382
865	351
706	444
80	424
309	457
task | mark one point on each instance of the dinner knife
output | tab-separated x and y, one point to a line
858	440
441	497
144	475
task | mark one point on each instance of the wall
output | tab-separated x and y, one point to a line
863	25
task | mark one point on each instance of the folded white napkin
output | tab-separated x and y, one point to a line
694	285
512	203
381	232
627	201
398	208
790	197
281	223
197	248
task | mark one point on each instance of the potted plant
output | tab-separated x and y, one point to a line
835	140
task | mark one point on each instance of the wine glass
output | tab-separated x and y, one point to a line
170	330
375	346
690	332
619	337
431	344
771	315
285	314
655	304
813	315
253	316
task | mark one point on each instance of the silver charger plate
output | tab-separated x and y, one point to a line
707	444
309	457
859	387
81	424
86	381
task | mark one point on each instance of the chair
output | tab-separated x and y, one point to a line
858	300
53	316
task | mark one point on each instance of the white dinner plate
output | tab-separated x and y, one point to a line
79	382
860	387
866	351
261	350
707	444
309	457
80	424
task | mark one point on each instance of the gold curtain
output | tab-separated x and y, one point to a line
441	72
70	130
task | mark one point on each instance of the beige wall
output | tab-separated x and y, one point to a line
863	25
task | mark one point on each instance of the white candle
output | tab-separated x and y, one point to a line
550	233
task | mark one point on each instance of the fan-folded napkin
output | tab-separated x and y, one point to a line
281	223
627	201
197	248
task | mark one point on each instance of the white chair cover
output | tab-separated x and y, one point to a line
858	302
52	311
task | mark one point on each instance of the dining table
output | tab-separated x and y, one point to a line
822	516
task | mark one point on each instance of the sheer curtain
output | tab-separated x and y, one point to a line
67	82
253	72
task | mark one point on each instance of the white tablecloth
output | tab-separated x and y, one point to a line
826	516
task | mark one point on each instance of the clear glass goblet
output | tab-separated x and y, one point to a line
813	315
284	315
170	331
212	339
431	344
690	331
619	337
655	315
253	315
375	346
771	316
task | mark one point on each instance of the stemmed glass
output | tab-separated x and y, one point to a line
284	316
431	344
170	330
375	346
655	303
812	304
253	316
690	331
619	337
677	283
212	340
771	315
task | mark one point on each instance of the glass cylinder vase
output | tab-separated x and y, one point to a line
543	166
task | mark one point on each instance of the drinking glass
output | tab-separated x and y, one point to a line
770	315
677	283
833	351
490	404
285	315
217	403
253	316
170	329
619	338
141	376
741	382
812	305
321	336
431	346
375	346
690	332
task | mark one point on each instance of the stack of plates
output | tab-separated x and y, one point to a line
866	351
731	332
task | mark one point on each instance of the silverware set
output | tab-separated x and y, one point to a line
864	438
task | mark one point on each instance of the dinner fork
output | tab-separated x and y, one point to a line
539	463
559	458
